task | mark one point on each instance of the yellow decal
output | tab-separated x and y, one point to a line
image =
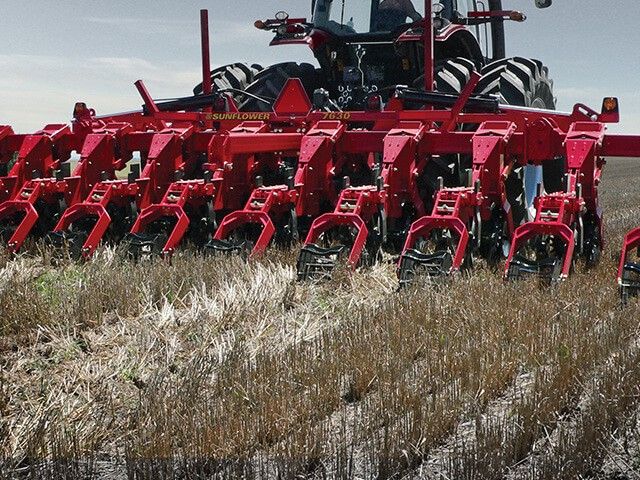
336	116
238	116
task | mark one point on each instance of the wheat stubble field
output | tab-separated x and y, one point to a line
213	368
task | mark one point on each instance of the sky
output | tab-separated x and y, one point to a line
54	53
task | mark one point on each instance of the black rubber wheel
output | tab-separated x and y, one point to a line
236	75
268	84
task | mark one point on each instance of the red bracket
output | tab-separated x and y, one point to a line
455	209
356	206
400	169
314	176
164	161
265	204
559	214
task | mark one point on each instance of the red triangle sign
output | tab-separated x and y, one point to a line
293	99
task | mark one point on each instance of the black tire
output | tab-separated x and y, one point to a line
236	75
268	84
518	81
522	82
451	76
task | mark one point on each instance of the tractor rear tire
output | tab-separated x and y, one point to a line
268	84
237	76
451	76
522	82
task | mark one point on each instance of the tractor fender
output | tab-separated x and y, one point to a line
457	41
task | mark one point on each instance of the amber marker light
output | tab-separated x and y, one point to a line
610	104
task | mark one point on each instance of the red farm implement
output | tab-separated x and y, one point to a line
408	140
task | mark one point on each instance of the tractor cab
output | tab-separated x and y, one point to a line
370	47
379	17
367	48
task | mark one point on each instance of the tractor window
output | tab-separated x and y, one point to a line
349	17
463	7
355	16
391	14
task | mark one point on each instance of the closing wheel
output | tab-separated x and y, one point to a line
240	242
317	260
414	264
145	245
630	286
542	257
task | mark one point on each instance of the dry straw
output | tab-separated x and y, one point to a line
214	368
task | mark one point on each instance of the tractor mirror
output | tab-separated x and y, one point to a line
543	3
438	8
282	16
